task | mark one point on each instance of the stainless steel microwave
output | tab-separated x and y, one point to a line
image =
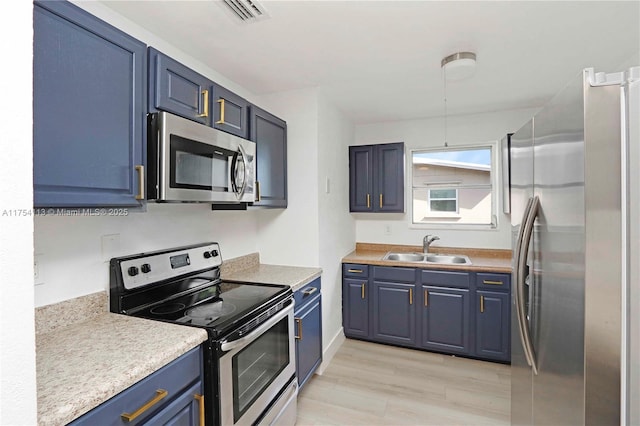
191	162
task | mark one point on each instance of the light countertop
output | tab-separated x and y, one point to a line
293	276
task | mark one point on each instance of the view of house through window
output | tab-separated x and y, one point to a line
453	185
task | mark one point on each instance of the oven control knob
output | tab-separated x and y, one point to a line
146	268
214	253
207	255
133	271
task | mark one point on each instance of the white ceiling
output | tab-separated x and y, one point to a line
380	60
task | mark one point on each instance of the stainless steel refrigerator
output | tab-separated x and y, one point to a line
573	183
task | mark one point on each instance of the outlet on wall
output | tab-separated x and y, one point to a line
110	246
37	269
387	229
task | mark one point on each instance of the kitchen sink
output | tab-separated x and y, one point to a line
443	259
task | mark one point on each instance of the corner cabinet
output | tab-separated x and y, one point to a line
270	135
308	321
376	178
89	91
453	312
172	395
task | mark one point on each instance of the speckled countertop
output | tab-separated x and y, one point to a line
249	269
482	260
85	361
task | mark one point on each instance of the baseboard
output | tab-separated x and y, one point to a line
331	350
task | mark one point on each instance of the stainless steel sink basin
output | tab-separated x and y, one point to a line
405	257
443	259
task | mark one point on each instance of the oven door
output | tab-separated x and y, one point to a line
254	369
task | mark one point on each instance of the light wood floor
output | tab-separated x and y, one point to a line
374	384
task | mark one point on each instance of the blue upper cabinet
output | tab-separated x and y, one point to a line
89	89
178	89
376	178
270	135
230	112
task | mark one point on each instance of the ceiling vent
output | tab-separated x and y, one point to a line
247	10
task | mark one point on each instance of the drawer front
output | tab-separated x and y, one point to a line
394	274
493	282
172	378
446	278
355	270
307	293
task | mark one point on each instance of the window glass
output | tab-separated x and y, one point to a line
453	186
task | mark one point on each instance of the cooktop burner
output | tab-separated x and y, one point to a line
169	308
211	311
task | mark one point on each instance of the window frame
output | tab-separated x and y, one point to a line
493	179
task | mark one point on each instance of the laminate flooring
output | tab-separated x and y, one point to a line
373	384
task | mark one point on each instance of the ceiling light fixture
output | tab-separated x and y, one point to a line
457	66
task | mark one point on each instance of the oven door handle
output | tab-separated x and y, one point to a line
227	345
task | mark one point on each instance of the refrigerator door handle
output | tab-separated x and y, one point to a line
521	266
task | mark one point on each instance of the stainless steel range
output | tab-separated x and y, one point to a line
249	358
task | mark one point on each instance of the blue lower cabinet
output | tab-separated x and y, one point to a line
493	325
89	91
394	313
445	319
172	395
308	332
355	307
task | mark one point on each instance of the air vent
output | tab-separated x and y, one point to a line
247	10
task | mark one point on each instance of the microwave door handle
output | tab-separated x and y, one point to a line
243	154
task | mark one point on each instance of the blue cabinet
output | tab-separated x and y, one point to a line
355	307
394	313
445	319
270	135
176	88
493	316
308	319
230	112
376	178
170	396
89	91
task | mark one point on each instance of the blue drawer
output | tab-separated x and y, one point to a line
307	293
493	282
394	274
446	278
354	270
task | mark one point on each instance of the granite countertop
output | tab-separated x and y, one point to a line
81	364
294	276
482	260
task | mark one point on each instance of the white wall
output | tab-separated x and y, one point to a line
17	331
425	133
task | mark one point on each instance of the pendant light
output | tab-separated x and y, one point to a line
457	66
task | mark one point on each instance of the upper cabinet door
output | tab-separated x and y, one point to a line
178	89
361	178
270	135
230	112
390	174
89	87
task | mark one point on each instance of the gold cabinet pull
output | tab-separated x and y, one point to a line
299	324
129	417
368	201
380	200
221	102
205	94
140	170
359	271
258	196
200	399
362	290
426	298
481	303
492	282
411	296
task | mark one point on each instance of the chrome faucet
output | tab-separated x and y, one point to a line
426	242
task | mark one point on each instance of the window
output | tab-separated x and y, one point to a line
453	186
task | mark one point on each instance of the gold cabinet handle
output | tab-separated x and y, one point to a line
205	94
380	200
368	201
299	324
200	399
481	303
359	271
140	170
492	282
221	102
258	195
129	417
362	291
411	296
426	298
